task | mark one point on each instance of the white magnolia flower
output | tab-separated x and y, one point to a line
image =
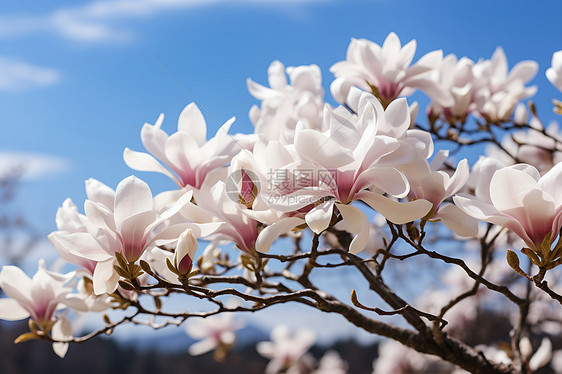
285	104
37	297
433	185
518	198
554	72
215	331
286	350
351	161
185	252
187	153
395	358
386	71
331	363
457	78
127	224
497	90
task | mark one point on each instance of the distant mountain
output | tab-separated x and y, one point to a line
175	340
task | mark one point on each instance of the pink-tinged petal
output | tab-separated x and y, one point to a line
276	76
134	234
433	188
395	212
79	244
171	233
272	232
484	173
11	310
204	346
357	223
422	142
429	61
131	197
228	337
100	193
260	92
105	277
76	302
192	122
16	284
154	139
487	212
508	187
397	117
407	54
185	251
536	215
297	200
542	356
340	89
68	218
320	149
172	211
319	217
551	183
62	330
433	90
438	160
266	349
389	180
459	178
144	162
99	215
457	221
524	71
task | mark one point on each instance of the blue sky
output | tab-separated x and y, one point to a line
97	71
78	79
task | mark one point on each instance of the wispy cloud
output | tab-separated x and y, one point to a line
17	75
100	21
31	165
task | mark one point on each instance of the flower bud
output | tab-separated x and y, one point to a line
185	252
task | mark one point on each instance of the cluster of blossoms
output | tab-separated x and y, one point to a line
308	167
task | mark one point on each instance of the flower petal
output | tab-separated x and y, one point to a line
395	212
192	122
272	232
357	223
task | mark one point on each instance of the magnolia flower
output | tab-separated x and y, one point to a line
525	203
37	297
351	161
128	226
433	185
456	77
540	358
69	220
286	350
187	153
386	72
214	205
215	331
331	363
395	358
284	104
496	91
554	72
185	252
61	331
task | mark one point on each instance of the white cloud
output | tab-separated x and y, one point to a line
97	20
32	165
17	75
